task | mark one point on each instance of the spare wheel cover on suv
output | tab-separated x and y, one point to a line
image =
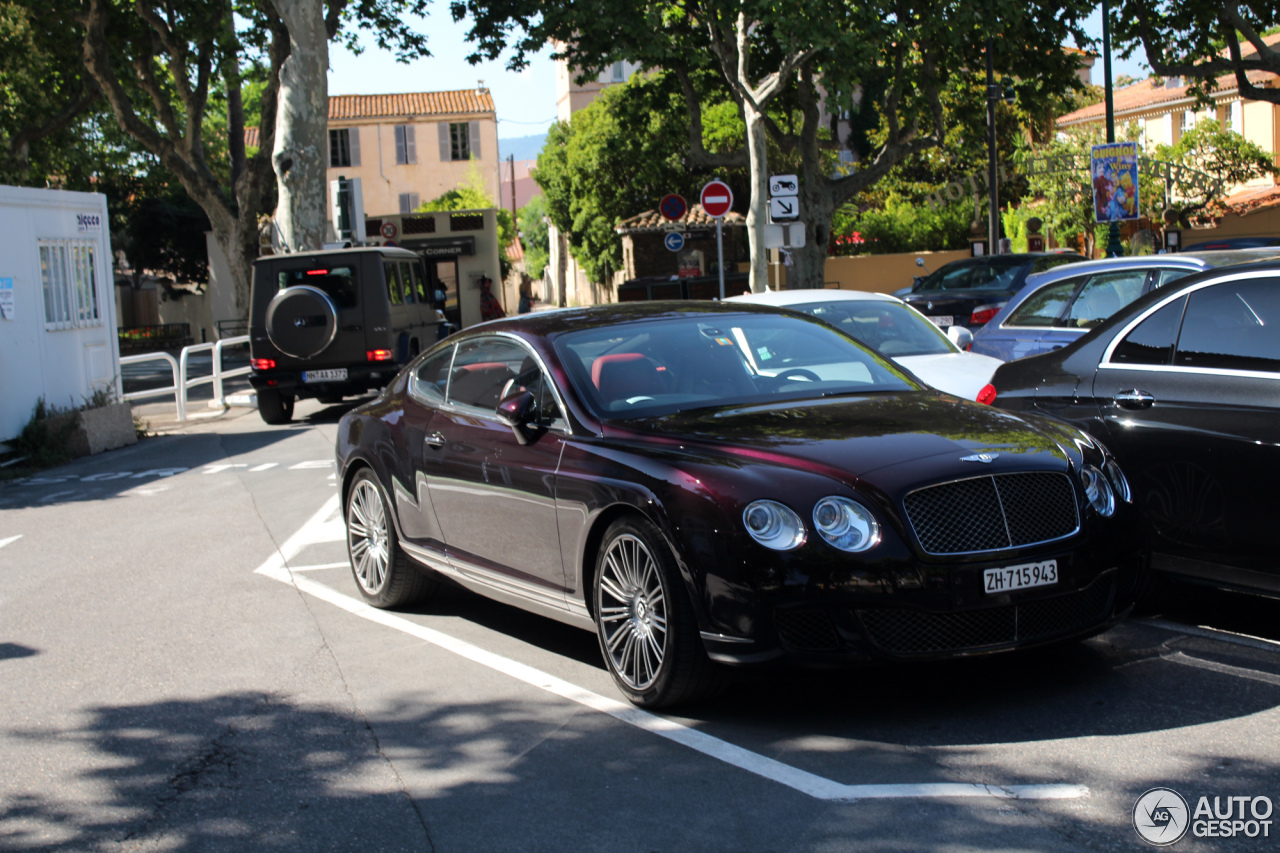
302	321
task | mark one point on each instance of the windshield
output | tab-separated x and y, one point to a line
992	274
894	329
657	367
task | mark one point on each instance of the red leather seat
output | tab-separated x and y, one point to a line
623	375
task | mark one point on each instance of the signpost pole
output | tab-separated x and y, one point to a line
720	254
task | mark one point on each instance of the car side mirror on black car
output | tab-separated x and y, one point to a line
515	411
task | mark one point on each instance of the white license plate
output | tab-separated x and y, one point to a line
944	320
996	581
336	374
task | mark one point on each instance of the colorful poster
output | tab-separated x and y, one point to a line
1115	181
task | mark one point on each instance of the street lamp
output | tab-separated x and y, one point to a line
1003	91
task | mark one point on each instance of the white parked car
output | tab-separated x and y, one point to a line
895	329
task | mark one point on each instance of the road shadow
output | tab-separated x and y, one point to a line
254	771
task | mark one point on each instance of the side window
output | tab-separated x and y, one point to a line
406	281
482	371
432	377
1233	326
395	292
1104	295
1159	278
1151	342
1044	307
419	282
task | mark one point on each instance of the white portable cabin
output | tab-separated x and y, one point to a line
58	336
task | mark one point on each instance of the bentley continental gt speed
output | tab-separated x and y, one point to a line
720	484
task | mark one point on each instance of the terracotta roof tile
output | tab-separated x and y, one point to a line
1151	92
459	102
1250	201
651	220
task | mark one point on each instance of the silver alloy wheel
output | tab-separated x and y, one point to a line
633	612
367	541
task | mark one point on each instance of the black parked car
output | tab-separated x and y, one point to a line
1184	386
336	323
706	484
970	292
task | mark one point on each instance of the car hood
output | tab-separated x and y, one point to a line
849	438
959	373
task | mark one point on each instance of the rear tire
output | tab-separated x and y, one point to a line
383	573
645	622
275	407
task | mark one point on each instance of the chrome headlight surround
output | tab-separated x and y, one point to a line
774	525
846	524
1097	491
1118	481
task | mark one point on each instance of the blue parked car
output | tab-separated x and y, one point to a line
1062	304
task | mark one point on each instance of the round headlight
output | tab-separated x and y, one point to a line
774	525
1097	491
846	524
1118	482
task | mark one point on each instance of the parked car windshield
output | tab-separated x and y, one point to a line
894	329
656	367
992	274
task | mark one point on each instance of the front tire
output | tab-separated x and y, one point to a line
382	571
644	621
275	407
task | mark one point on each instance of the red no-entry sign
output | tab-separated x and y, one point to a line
716	198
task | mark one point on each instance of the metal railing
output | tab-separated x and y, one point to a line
181	384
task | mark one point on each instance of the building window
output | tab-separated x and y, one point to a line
344	147
406	147
1188	120
619	72
459	141
408	202
70	281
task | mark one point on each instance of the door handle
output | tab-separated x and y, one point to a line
436	439
1134	399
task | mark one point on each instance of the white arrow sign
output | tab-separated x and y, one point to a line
784	208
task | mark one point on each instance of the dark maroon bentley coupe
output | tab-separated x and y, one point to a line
705	484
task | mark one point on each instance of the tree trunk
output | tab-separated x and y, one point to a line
758	213
300	155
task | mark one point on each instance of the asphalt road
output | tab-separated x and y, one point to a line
185	665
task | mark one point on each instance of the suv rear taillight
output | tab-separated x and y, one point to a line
987	395
263	363
378	355
982	315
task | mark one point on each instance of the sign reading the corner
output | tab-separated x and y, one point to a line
89	223
447	248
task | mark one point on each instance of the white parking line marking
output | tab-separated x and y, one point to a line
10	540
314	463
277	568
263	467
214	469
318	567
1223	668
1214	634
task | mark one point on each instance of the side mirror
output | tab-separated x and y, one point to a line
960	336
514	411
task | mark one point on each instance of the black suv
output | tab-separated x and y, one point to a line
971	291
335	323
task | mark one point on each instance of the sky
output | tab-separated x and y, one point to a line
525	101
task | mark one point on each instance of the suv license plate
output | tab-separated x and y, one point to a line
1020	577
336	374
944	320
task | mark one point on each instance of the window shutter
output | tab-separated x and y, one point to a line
473	134
444	141
353	142
400	145
410	145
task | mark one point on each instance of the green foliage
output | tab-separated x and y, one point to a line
1225	154
619	156
904	225
532	219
